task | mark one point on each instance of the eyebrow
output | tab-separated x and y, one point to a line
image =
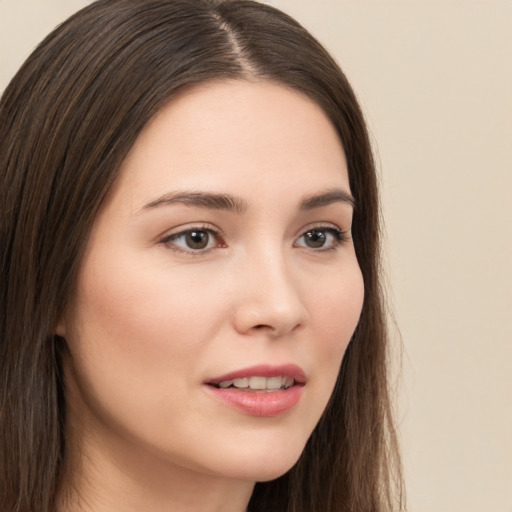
335	195
213	201
207	200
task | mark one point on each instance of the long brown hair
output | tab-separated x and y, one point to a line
67	120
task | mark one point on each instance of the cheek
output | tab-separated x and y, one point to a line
134	341
336	311
132	330
151	309
335	314
140	329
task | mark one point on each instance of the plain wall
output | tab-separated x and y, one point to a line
435	80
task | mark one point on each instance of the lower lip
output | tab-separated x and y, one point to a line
259	403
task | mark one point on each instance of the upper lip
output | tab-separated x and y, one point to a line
263	370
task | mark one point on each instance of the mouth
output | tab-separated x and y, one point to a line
261	378
260	390
257	383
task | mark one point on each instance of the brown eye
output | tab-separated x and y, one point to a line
322	238
315	238
197	239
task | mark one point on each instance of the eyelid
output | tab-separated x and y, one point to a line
180	231
341	235
323	225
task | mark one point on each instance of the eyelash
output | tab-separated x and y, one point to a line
339	237
167	241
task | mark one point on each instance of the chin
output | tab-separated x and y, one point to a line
264	464
273	473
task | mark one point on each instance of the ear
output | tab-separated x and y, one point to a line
60	328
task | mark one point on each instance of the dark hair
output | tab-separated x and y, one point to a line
67	120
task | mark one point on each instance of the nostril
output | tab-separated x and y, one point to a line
264	327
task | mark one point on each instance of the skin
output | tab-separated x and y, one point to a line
153	318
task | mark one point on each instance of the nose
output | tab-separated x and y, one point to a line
269	298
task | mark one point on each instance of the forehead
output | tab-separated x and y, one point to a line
236	134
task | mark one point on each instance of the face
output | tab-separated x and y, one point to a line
219	288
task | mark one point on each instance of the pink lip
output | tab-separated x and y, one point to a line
260	403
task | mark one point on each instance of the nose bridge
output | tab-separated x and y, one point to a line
270	297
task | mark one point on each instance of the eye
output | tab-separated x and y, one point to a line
322	238
193	240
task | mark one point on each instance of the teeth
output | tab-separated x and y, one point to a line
274	383
256	382
289	382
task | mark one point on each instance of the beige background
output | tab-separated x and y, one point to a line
435	79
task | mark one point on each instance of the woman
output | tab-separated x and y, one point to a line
190	242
